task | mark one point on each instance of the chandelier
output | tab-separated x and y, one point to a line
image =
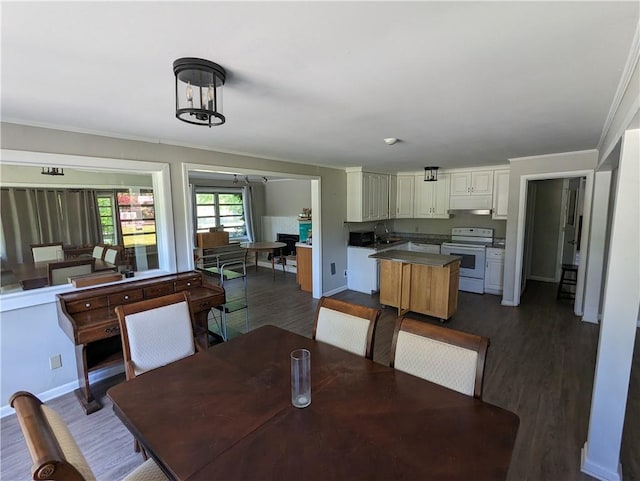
199	91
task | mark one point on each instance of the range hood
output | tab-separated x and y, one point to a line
470	211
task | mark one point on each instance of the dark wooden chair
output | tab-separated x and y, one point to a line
56	455
348	326
59	272
453	359
47	252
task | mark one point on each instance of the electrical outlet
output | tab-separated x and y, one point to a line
333	268
345	273
55	362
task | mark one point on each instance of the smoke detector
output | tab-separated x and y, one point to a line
390	140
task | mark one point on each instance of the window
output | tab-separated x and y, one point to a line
217	207
137	218
107	213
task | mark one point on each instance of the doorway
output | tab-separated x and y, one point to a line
553	209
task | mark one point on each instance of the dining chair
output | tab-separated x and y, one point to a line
156	332
54	451
348	326
451	358
47	252
59	272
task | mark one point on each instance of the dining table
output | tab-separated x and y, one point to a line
225	413
34	275
258	247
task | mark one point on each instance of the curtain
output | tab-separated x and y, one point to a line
38	216
247	199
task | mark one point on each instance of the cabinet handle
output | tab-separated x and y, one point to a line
112	330
87	305
188	284
126	298
204	304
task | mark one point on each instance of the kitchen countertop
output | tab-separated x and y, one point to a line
397	239
435	260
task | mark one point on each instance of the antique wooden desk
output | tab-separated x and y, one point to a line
88	318
226	413
34	275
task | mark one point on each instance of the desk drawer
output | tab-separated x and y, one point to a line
184	284
87	304
98	332
126	297
157	291
200	305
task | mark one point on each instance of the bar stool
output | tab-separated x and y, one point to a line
569	277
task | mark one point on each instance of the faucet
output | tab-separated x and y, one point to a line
375	229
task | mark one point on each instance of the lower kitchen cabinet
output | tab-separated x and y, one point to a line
304	267
494	271
420	288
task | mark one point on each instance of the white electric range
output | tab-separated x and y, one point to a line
471	244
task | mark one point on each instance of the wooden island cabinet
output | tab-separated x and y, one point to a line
88	318
304	267
419	282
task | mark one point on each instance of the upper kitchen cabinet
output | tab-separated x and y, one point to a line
471	190
472	183
500	194
431	198
404	199
367	196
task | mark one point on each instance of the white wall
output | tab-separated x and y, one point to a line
287	197
443	226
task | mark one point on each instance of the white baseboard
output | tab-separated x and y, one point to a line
58	391
277	267
551	280
495	292
335	291
508	303
597	471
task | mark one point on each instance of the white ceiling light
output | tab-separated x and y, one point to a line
390	140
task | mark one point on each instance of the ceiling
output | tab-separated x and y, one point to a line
460	84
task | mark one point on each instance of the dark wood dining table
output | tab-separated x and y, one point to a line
226	414
33	275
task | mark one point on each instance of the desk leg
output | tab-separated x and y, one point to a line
256	261
84	394
273	264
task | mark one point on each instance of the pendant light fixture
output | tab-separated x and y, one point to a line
431	174
52	171
199	91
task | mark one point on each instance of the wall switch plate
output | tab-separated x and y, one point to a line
55	362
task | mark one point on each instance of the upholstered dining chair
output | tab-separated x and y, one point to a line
453	359
46	252
348	326
54	451
59	272
156	332
98	251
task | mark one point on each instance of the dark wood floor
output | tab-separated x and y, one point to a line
540	365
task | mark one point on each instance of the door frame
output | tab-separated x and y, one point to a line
586	221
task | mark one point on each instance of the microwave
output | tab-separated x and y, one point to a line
363	238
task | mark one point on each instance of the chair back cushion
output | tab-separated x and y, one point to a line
67	444
110	255
343	330
49	252
439	362
159	336
97	252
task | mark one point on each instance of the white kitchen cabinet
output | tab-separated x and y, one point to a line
393	196
405	200
367	196
431	199
472	183
362	272
500	194
494	271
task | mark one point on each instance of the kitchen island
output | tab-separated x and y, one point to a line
419	282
